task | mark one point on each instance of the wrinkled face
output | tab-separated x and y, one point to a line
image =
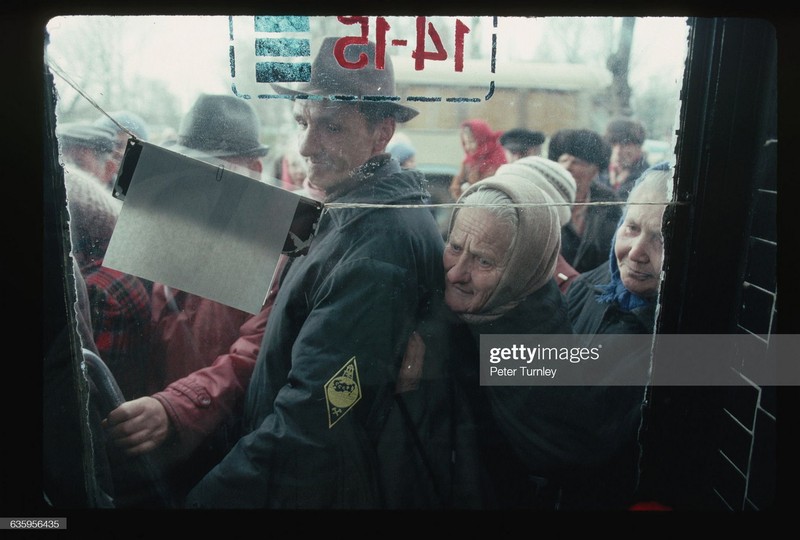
335	139
474	259
626	155
639	249
582	171
468	140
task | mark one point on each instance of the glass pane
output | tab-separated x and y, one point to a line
247	168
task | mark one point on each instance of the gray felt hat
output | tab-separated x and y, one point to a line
367	83
222	126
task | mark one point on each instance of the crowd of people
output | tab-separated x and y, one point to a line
358	383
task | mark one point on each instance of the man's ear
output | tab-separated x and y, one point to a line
384	133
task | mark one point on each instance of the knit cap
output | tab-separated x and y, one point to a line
551	177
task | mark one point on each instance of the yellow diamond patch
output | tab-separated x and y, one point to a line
342	391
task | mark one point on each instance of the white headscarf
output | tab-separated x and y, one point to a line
532	256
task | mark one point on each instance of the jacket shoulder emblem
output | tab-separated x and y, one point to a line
342	391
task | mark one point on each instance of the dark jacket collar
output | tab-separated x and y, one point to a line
379	181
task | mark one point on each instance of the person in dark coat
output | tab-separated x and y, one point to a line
620	298
325	380
182	393
499	262
586	239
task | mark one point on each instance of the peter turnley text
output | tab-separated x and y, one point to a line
539	353
496	371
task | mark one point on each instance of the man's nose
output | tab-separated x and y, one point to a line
307	143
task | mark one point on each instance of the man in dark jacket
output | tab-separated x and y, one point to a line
325	377
586	239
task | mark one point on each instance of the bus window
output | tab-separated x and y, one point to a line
601	96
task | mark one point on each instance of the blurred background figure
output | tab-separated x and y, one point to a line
119	304
483	155
223	127
555	146
404	152
134	125
519	143
628	158
87	148
293	169
586	239
190	331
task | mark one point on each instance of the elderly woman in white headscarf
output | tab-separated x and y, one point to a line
501	252
499	262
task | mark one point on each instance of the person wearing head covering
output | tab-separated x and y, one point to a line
195	376
555	146
223	127
586	238
558	183
123	125
86	147
119	304
619	298
324	383
192	331
519	143
499	261
483	154
628	159
404	153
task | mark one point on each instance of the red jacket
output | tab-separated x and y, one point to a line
199	402
189	333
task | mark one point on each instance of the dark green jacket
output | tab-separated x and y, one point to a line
323	385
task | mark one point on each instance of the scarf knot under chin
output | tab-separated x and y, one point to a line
615	292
